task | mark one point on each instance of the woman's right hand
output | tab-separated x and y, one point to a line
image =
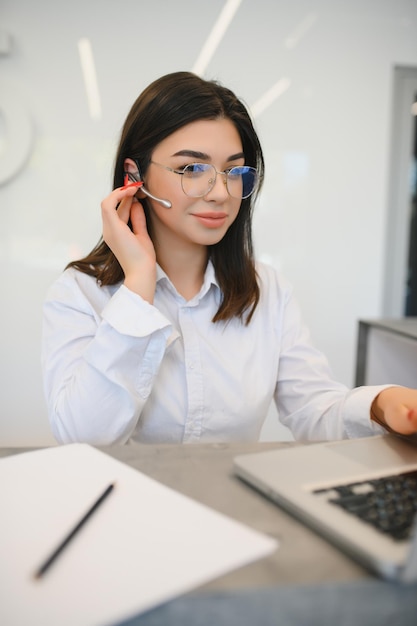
133	248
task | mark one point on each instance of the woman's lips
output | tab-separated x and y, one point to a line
212	219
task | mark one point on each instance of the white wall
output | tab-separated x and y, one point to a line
323	212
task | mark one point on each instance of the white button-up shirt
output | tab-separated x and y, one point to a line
117	368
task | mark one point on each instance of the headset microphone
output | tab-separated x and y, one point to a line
136	177
165	203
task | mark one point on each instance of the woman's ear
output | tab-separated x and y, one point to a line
130	166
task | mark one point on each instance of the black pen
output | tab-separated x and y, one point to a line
47	564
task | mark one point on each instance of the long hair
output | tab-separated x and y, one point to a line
165	106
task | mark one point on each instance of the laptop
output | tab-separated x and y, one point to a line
360	494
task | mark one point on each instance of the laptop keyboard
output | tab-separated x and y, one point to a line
388	503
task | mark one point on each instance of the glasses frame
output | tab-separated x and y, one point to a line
214	179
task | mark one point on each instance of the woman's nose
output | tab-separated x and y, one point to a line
219	189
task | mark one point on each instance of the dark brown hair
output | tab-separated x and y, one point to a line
165	106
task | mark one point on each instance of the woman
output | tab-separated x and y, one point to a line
168	331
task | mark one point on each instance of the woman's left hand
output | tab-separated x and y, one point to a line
396	407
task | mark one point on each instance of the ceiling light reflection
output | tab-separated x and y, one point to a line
270	96
294	38
215	36
90	77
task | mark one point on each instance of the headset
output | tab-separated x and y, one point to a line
137	178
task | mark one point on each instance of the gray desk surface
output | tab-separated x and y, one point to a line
204	472
306	582
405	326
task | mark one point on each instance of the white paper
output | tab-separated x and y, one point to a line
145	544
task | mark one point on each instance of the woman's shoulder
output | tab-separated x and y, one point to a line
73	285
272	278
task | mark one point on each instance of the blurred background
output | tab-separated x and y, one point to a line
330	85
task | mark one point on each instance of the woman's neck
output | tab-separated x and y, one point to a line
185	268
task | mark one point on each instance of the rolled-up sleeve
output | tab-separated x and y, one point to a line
310	402
101	351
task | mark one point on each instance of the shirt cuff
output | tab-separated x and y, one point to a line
130	314
357	412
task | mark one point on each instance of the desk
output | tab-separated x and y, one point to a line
387	352
257	593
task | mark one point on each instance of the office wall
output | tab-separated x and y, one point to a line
322	217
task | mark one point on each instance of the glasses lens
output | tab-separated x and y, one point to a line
197	179
241	181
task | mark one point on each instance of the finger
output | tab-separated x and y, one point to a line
135	185
138	219
124	208
120	199
402	419
412	418
117	195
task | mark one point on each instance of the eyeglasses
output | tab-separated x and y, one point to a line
198	179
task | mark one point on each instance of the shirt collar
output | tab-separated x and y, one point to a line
209	278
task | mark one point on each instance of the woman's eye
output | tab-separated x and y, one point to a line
187	170
195	170
234	172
